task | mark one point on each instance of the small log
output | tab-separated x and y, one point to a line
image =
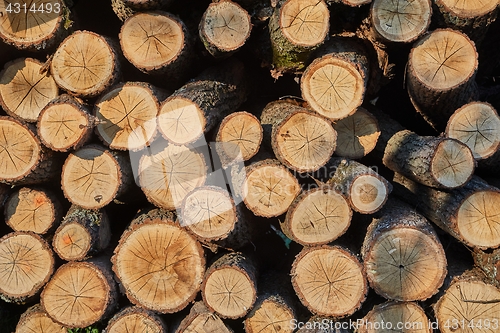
476	124
334	84
80	293
65	124
224	28
296	28
136	319
400	21
124	9
166	277
468	213
35	319
42	29
93	176
157	43
467	302
365	190
301	140
403	257
441	74
433	161
33	209
230	286
23	159
82	233
400	316
18	95
329	281
200	319
26	264
167	176
85	64
126	116
317	216
198	106
268	188
238	138
357	134
489	263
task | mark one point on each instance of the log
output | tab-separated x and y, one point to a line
238	138
224	28
159	265
440	75
200	320
391	315
268	188
477	125
124	9
296	28
329	281
301	140
350	3
82	233
126	115
65	124
80	293
26	264
468	213
399	21
43	29
93	176
357	134
198	106
136	319
489	263
35	319
334	84
467	302
24	90
167	176
33	209
85	64
157	43
403	257
23	160
365	190
230	285
317	216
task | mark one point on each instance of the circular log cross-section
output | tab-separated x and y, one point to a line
271	315
91	177
200	319
127	116
33	30
329	281
24	91
317	216
26	264
80	294
64	124
167	276
400	21
169	175
30	209
36	320
229	286
269	188
224	28
85	64
238	138
155	42
476	124
135	319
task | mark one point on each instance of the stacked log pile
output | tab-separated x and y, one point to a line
249	166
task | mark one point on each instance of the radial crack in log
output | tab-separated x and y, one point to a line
35	319
136	319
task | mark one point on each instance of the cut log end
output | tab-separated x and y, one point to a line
469	9
477	125
329	281
135	319
368	193
270	316
398	21
200	319
18	95
37	320
72	241
452	164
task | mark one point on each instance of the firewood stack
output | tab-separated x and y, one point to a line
250	166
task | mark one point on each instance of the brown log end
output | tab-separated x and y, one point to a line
35	319
136	319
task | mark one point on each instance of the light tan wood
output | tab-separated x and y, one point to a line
200	319
34	319
269	316
136	319
469	8
24	90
